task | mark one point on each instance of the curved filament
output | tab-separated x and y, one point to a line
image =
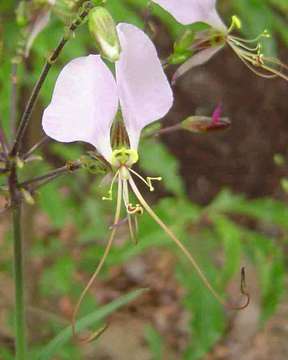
132	224
97	333
187	253
248	60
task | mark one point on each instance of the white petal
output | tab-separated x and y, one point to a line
144	91
190	11
196	60
84	104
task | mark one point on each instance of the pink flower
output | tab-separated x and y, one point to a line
190	11
86	96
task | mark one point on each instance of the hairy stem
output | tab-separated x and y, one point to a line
26	116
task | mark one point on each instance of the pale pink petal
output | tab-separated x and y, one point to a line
84	104
144	91
199	59
190	11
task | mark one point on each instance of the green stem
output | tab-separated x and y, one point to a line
20	325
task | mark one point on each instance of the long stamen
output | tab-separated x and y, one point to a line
132	229
184	250
148	180
253	58
97	333
250	60
110	191
248	48
264	34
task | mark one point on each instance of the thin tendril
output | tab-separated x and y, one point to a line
184	250
97	333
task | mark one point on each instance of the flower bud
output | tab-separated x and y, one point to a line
284	184
204	124
27	196
102	26
94	165
279	160
185	41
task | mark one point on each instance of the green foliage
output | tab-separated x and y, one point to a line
92	319
75	201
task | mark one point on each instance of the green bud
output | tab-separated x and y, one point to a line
180	57
185	41
279	160
284	184
93	165
103	28
22	13
27	197
204	124
19	163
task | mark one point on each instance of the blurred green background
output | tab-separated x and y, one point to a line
220	193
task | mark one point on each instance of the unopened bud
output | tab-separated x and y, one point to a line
179	57
279	160
185	41
102	26
22	13
204	124
19	162
93	165
27	197
284	184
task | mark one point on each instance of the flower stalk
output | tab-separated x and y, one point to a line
20	324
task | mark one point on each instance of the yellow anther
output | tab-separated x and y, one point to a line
149	181
266	34
109	197
135	209
235	23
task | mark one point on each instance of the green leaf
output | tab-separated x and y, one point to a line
230	235
155	343
65	335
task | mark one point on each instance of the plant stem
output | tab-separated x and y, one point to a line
26	116
35	147
21	346
167	130
20	325
51	175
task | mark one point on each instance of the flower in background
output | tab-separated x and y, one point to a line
33	16
207	43
190	11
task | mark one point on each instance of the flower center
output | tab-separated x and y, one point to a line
124	157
